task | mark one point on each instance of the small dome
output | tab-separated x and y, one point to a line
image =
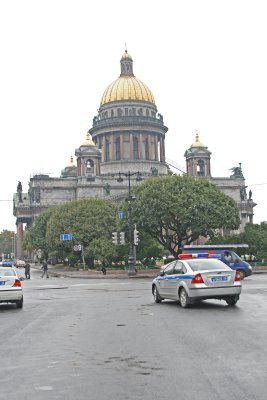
88	141
71	163
127	56
197	143
127	86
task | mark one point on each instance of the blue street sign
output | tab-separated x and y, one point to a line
66	236
121	214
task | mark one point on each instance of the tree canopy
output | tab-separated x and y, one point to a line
176	210
254	235
86	220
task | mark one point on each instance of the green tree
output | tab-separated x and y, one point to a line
85	219
6	242
35	237
102	250
148	247
256	237
176	210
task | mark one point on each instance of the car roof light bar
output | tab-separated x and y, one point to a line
193	255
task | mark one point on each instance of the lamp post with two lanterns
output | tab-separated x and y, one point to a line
130	198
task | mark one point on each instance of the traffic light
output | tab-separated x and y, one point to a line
114	237
136	237
122	238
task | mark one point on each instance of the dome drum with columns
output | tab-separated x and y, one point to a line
128	128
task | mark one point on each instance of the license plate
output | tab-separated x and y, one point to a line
2	283
219	279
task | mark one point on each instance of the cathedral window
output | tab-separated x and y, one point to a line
119	112
135	148
126	111
147	112
146	149
107	154
134	111
200	168
112	113
89	166
118	148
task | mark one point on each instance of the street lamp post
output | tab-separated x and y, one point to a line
131	258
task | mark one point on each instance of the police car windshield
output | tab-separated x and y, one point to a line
206	265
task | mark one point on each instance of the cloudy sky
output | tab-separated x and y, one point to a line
204	61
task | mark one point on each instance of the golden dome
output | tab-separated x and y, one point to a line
71	163
127	86
197	143
88	141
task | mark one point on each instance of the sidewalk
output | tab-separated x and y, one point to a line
69	272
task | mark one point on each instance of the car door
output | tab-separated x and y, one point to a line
173	279
165	281
178	272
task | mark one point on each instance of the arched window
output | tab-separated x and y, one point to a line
135	148
89	166
200	168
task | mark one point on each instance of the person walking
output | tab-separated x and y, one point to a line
45	269
27	270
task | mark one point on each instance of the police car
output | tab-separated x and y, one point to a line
196	277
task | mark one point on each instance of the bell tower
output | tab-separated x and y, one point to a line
88	160
198	159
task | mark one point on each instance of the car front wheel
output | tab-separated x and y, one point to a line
157	297
183	298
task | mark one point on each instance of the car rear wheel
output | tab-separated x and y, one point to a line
231	301
183	298
156	295
20	303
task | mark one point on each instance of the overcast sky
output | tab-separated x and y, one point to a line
204	61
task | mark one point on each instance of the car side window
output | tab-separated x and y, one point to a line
178	269
169	269
184	269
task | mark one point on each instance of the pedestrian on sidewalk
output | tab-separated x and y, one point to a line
27	270
45	269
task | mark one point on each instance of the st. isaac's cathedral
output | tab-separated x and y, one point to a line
127	137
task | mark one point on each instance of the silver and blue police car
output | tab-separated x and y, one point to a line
196	277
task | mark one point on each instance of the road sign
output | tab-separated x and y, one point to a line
121	214
66	236
77	247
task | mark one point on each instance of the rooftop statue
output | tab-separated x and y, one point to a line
19	191
237	172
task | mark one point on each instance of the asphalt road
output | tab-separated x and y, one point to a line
107	339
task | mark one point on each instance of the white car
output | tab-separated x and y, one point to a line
10	287
190	279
